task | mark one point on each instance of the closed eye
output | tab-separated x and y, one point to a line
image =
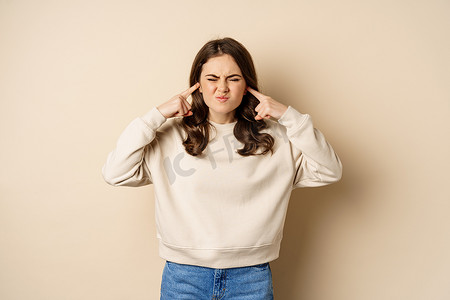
214	79
232	77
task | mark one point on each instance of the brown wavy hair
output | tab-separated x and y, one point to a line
247	129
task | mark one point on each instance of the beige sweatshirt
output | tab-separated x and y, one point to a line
223	210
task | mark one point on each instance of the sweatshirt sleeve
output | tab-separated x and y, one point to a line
316	164
126	165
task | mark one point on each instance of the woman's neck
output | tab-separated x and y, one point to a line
222	119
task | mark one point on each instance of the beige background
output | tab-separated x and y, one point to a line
373	74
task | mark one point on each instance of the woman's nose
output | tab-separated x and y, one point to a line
223	87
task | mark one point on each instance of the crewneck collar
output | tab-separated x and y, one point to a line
223	127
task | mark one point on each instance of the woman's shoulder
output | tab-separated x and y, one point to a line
273	126
277	131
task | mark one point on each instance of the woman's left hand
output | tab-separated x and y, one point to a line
267	106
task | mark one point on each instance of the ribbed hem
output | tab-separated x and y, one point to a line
220	258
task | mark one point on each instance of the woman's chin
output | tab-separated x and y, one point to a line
222	107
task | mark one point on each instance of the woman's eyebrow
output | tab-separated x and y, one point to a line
215	76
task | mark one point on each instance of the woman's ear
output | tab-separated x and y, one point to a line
245	91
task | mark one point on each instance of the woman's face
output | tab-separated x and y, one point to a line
222	86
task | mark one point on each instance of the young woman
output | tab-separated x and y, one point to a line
223	172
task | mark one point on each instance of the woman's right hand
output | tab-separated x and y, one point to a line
178	106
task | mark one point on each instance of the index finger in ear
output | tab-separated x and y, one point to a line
190	90
255	93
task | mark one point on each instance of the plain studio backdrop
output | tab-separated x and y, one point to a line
374	75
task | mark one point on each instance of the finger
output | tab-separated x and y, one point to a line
258	117
263	113
183	108
180	114
184	102
184	114
255	93
188	104
190	90
185	111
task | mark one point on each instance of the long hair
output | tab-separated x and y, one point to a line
247	129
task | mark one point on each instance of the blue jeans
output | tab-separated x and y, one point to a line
201	283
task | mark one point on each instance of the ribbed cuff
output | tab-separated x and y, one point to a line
154	118
292	118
